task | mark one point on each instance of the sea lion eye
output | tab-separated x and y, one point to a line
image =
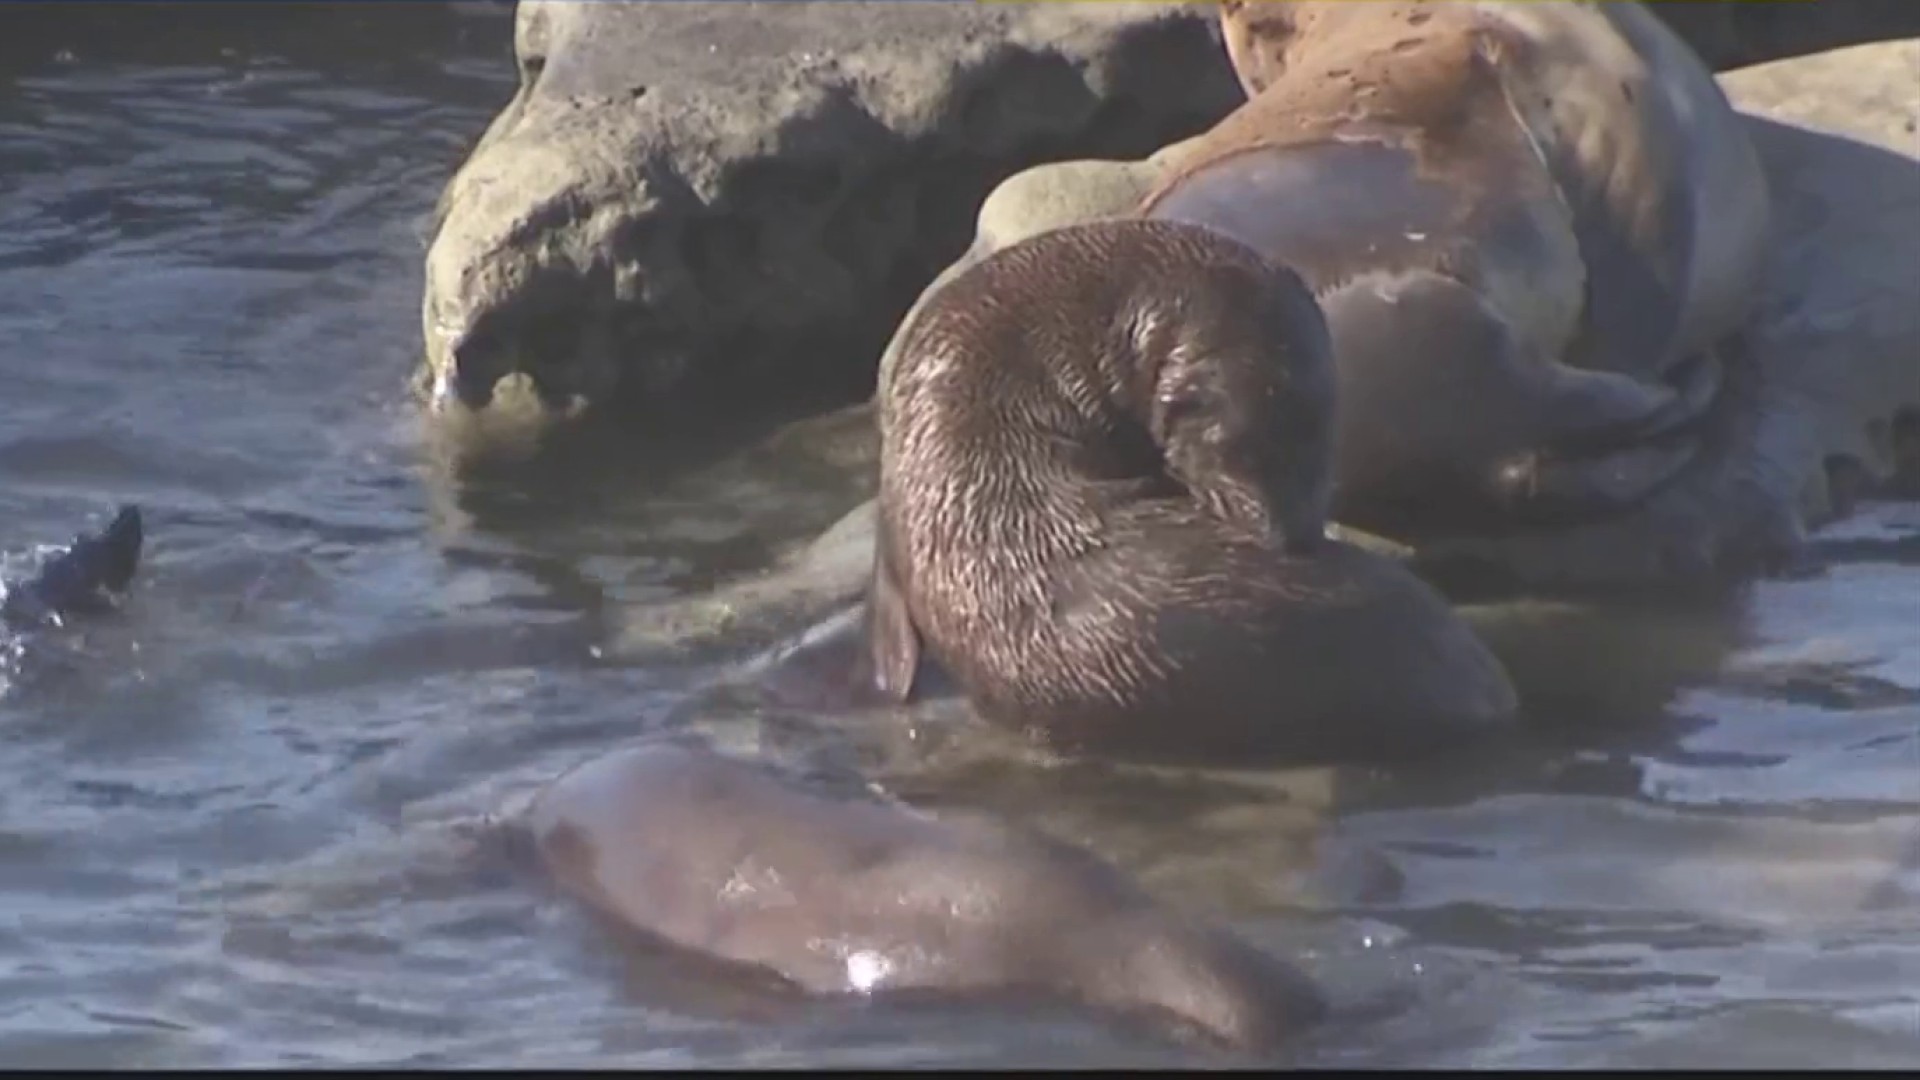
1180	403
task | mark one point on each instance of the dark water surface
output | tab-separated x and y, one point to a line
237	818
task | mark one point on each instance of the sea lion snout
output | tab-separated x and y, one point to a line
1244	397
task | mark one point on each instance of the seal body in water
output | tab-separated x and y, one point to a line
727	858
77	579
1535	230
1102	510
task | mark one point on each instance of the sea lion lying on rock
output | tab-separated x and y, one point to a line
1104	464
841	895
1534	229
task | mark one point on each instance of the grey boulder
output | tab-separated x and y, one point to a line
1837	331
740	199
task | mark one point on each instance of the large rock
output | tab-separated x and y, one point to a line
728	200
744	197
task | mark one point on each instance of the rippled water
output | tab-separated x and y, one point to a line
237	826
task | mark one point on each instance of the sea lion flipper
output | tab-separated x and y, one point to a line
1619	438
73	580
1592	411
893	641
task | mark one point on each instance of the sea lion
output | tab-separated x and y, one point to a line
729	859
1103	484
76	580
1531	228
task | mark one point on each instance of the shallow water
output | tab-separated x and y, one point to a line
237	823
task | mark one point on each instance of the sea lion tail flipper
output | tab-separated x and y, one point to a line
1600	411
1620	437
73	580
893	641
114	553
1549	440
106	560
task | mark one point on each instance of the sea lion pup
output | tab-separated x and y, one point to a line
1103	483
727	858
1529	226
76	580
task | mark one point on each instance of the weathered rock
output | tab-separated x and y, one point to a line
724	200
743	197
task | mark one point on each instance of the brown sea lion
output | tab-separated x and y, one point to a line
1529	225
729	859
1103	482
77	579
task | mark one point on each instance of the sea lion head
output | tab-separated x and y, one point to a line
1221	988
1243	391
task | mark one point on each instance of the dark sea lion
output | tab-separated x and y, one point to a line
1103	481
78	579
1530	227
727	858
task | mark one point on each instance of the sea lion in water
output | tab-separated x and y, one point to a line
76	580
1529	225
839	895
1103	481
